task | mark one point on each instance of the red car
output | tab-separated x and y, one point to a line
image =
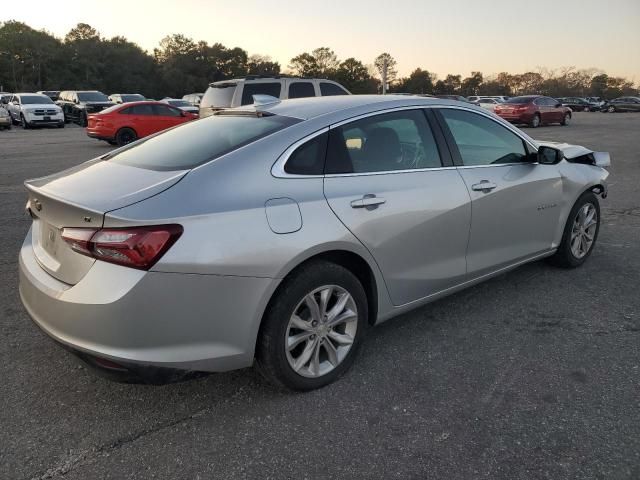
534	110
122	124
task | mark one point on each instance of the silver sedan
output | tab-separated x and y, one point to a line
280	232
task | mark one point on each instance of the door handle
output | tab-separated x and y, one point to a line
369	202
484	186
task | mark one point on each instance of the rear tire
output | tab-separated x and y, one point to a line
535	121
281	345
566	119
124	136
570	253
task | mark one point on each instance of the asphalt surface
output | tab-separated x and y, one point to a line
534	374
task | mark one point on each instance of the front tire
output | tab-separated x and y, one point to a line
580	232
24	122
535	121
566	119
313	327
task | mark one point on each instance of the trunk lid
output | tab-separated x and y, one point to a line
80	197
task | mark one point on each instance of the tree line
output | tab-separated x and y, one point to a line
33	60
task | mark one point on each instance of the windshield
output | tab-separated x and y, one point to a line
34	99
179	103
92	97
134	97
520	100
219	96
195	143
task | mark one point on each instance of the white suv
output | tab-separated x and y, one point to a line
31	109
240	91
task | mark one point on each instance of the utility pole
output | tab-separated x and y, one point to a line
384	76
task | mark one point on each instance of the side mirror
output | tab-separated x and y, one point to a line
549	155
602	159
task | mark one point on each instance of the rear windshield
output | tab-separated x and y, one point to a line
92	97
195	143
520	100
219	96
34	99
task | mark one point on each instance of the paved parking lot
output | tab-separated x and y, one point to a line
534	374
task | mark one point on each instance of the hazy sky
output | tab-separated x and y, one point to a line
445	36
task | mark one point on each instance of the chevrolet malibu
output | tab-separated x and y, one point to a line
280	232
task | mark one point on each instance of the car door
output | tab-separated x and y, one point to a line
385	181
141	118
515	201
167	117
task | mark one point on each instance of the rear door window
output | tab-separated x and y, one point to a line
382	143
260	88
166	111
140	110
330	89
301	90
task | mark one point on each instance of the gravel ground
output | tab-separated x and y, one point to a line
534	374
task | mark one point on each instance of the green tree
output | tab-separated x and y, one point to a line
355	77
262	65
420	81
385	59
471	85
304	65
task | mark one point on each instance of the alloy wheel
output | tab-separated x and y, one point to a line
321	331
584	229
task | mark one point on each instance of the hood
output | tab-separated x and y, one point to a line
41	105
569	151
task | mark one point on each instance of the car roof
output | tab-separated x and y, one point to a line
311	107
31	93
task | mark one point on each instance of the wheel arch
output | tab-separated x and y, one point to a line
352	261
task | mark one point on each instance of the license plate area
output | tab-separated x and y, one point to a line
47	119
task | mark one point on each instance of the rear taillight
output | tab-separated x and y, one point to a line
136	247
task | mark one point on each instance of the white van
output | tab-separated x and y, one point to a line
240	91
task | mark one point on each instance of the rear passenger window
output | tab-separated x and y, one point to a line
387	142
308	158
165	111
260	88
301	90
482	141
138	110
331	89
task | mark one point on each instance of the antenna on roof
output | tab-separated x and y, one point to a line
260	100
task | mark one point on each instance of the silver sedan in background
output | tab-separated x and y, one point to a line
279	232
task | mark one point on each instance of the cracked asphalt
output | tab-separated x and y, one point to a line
532	375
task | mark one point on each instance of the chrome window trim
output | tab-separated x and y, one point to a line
277	170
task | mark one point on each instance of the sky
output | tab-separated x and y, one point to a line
445	36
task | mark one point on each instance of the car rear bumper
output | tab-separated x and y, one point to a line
151	320
100	134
